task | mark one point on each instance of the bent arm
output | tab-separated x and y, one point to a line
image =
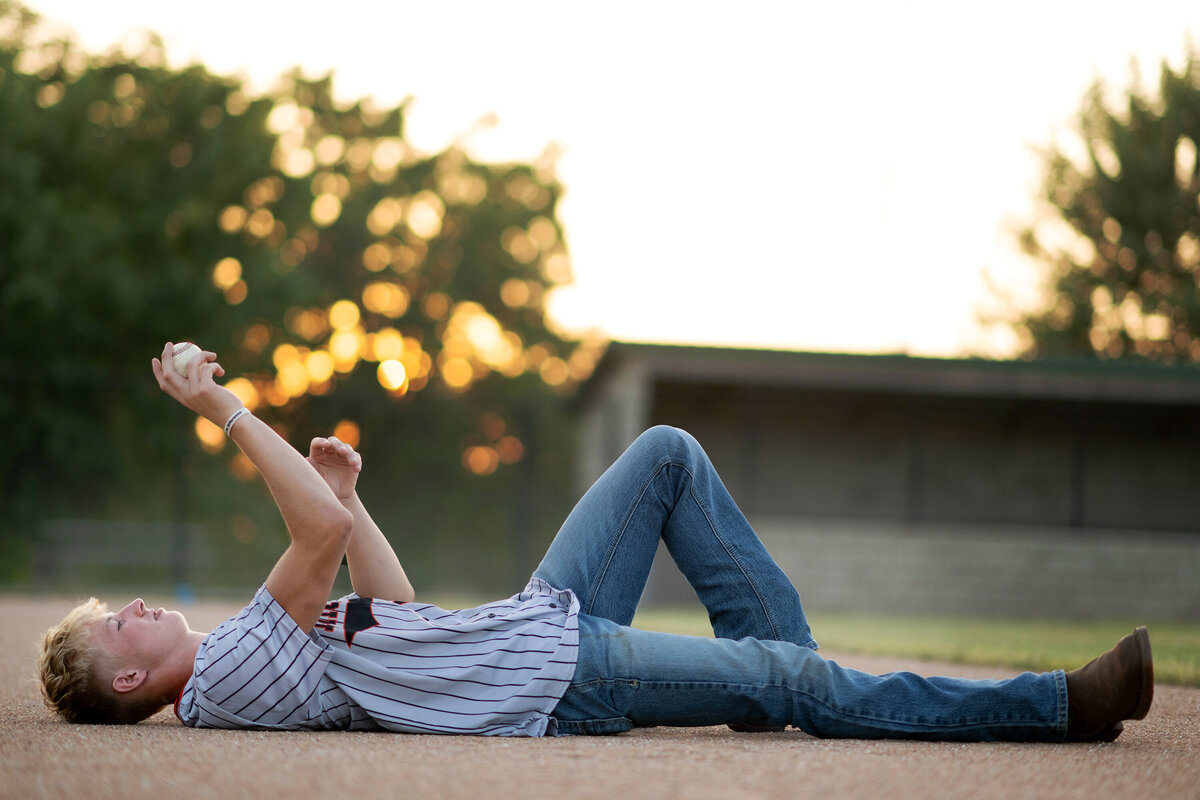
375	570
318	524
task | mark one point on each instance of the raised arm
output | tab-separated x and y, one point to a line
317	522
375	571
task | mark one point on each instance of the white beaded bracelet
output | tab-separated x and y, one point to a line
234	417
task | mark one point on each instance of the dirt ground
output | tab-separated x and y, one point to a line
41	757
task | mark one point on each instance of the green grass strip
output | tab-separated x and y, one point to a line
1038	645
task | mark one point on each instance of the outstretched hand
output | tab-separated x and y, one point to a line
196	390
338	463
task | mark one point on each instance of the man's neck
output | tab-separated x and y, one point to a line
174	674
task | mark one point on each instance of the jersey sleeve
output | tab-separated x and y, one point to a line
256	670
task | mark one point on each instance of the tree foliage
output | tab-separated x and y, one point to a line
1124	254
344	279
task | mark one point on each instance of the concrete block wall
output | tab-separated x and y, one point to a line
988	570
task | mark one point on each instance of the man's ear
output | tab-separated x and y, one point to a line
128	679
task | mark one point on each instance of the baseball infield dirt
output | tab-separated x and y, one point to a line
41	757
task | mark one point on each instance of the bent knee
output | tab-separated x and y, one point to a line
667	438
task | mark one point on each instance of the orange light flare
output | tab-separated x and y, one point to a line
510	449
348	431
346	342
393	377
227	276
291	375
481	459
211	437
386	298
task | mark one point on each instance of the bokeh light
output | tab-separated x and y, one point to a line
554	371
519	245
345	346
320	366
424	215
344	315
348	431
392	375
310	324
385	216
456	372
543	232
514	293
436	305
296	163
263	191
510	449
284	355
211	437
492	425
386	298
236	293
405	257
232	219
256	338
226	273
557	268
283	117
292	380
377	257
386	344
329	149
481	459
245	391
326	209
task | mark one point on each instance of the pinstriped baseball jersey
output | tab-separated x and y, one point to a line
496	670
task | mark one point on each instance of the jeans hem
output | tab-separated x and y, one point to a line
1060	684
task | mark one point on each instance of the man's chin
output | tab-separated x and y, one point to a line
173	618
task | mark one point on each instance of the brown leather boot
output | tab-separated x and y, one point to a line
1118	685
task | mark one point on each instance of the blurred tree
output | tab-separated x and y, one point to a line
345	280
1123	239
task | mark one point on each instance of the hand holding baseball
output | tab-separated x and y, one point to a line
196	389
182	355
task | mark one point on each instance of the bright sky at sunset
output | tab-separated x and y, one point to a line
793	175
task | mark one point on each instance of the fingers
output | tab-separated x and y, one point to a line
333	447
164	370
197	369
205	366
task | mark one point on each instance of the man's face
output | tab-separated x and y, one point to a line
140	637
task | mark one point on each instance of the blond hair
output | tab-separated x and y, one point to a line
76	674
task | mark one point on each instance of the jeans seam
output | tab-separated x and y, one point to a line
834	709
775	634
594	589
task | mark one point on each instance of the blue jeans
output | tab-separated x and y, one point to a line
761	668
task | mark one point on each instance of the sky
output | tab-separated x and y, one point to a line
828	177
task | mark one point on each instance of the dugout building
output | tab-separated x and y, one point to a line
894	483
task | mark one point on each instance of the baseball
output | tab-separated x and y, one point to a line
183	353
